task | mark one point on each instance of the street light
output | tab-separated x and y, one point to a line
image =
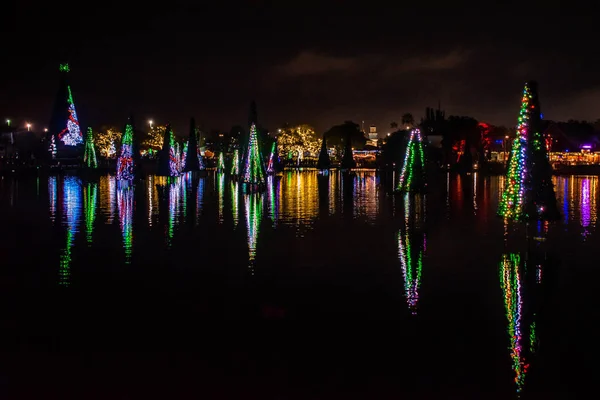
45	129
8	122
28	127
150	122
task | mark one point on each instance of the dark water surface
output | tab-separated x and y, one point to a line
321	287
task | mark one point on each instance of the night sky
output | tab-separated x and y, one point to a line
302	64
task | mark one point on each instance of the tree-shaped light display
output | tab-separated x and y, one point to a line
235	163
89	154
528	189
221	162
412	173
125	164
64	126
253	168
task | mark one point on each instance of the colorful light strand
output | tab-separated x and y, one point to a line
253	171
89	155
125	168
408	180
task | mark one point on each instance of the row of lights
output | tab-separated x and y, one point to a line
27	124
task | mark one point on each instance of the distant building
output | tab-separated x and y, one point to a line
372	138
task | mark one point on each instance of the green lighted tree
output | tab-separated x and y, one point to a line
253	171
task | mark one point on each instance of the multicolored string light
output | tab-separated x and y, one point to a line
513	196
125	170
253	170
413	170
89	154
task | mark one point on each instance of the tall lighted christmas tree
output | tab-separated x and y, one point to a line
89	155
221	162
324	162
125	163
192	158
528	189
253	168
235	164
412	173
64	126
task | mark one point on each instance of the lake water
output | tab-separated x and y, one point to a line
321	287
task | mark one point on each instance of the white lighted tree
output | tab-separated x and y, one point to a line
298	141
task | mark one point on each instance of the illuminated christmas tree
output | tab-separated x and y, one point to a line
253	168
412	173
64	126
192	158
89	155
324	162
528	189
541	198
125	163
221	162
235	164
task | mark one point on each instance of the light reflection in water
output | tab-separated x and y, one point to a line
475	192
253	205
90	200
199	199
366	195
107	188
299	204
52	189
523	337
220	180
235	202
411	248
177	194
579	198
273	193
125	207
71	214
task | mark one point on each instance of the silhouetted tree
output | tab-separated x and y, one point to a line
191	159
324	162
